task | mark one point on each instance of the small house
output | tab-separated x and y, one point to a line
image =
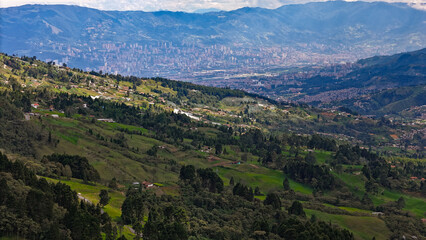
147	184
376	214
106	120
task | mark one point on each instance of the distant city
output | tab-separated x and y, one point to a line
215	47
194	62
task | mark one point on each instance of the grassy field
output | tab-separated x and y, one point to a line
355	183
254	175
124	126
91	192
122	164
362	227
110	160
322	156
413	204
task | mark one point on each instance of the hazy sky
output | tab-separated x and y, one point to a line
177	5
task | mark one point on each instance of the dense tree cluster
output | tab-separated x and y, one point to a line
243	191
202	178
17	135
319	177
296	209
80	166
210	180
202	214
347	154
319	142
187	173
32	208
168	222
274	200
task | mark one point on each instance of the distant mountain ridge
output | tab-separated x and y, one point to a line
172	43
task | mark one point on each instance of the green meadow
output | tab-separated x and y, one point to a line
362	227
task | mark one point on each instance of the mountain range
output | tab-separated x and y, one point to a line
181	45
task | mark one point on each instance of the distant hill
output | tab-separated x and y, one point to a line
403	69
178	44
405	101
207	10
381	85
376	73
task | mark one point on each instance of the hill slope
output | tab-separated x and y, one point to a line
212	155
405	102
376	73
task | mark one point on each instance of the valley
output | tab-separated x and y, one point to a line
211	45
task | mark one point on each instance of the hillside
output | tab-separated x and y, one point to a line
240	41
218	160
388	85
400	102
374	86
231	108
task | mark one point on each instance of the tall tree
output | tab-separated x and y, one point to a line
296	209
104	197
273	200
286	184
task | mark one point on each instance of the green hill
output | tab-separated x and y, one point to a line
217	160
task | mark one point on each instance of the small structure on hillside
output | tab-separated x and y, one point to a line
377	214
147	184
136	185
106	120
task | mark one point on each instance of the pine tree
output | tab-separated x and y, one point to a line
113	183
104	197
231	182
296	209
67	171
257	192
286	184
273	200
400	203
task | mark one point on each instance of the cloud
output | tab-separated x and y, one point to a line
177	5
